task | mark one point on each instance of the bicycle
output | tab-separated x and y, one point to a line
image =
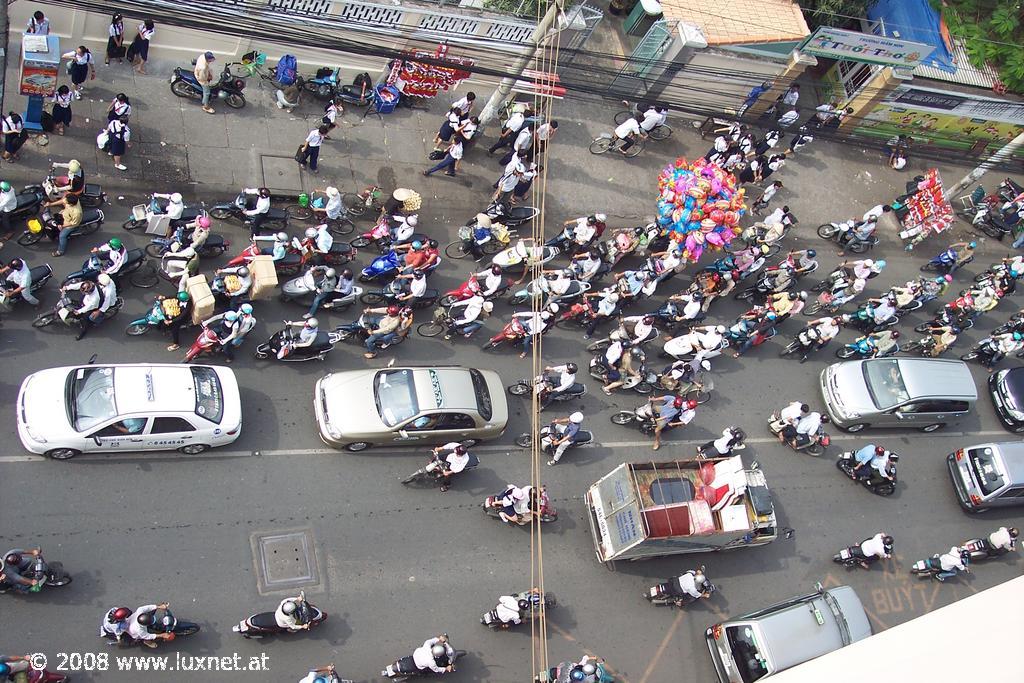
606	141
253	64
659	132
369	198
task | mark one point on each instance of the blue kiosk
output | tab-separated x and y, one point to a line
40	67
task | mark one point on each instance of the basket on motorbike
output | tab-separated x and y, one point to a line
35	226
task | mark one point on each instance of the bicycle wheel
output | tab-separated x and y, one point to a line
145	277
662	132
622	116
299	212
155	249
623	417
353	203
456	250
601	145
636	148
341	226
137	329
360	242
430	329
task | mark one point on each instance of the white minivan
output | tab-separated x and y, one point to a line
63	412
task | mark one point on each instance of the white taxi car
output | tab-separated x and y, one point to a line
63	412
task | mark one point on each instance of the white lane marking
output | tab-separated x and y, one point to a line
493	448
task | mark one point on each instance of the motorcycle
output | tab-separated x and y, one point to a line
835	231
860	349
501	236
642	382
358	333
508	215
619	335
709	450
521	255
265	624
582	438
804	342
541	505
874	482
207	342
985	353
48	574
405	668
563	674
91	268
318	350
512	332
228	88
431	472
214	246
526	387
946	317
980	549
677	348
92	195
763	288
40	276
853	556
386	266
540	288
932	567
41	227
643	417
668	314
324	86
302	289
739	332
28	202
670	591
288	266
273	219
168	623
380	236
815	445
390	294
143	214
536	604
468	289
1014	324
154	317
946	263
64	311
863	320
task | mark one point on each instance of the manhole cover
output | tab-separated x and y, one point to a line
285	559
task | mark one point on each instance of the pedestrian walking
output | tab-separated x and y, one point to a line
465	103
120	108
747	144
545	132
119	138
754	171
525	181
331	111
511	129
522	147
768	142
718	150
310	149
773	164
452	158
138	51
452	120
509	180
753	96
38	24
61	112
14	136
80	67
803	137
204	76
115	40
761	203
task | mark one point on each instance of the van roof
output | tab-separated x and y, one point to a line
937	377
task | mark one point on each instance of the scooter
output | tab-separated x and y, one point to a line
670	591
207	342
835	231
168	623
530	604
540	288
40	276
874	482
92	195
318	350
804	343
228	88
642	382
265	624
863	320
814	445
677	348
386	266
512	332
526	387
91	268
985	353
302	289
521	255
642	417
541	505
289	266
468	289
932	567
508	215
156	208
946	263
563	673
381	235
431	472
44	226
405	668
853	556
582	438
154	317
48	574
28	202
860	348
214	246
980	549
273	220
64	311
390	294
358	333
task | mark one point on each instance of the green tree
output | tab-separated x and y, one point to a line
992	31
835	12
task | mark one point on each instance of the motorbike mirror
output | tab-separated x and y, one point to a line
705	365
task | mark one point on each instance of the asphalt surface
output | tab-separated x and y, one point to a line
396	564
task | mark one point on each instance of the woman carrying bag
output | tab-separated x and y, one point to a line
80	67
138	51
14	136
115	42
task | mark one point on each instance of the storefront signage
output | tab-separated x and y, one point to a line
836	43
932	100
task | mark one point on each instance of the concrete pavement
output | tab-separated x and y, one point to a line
398	565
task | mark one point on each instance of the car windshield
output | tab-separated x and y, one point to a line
885	383
749	662
483	396
90	397
394	391
209	397
986	470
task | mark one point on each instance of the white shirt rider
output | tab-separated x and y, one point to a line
874	547
951	560
628	127
607	303
613	353
791	413
288	621
423	659
262	203
688	584
470	309
90	300
455	463
491	283
117	257
508	610
174	208
324	239
565	378
653	119
334	206
136	630
1001	539
884	311
108	294
584	231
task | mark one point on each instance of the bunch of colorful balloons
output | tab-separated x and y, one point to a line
699	205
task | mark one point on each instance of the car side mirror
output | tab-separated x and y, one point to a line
402	433
899	414
97	440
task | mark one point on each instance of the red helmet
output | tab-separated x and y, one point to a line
392	310
678	403
691	404
879	450
119	614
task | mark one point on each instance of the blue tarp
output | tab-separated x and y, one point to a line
917	21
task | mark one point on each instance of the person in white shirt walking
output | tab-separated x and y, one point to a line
119	138
310	151
510	131
82	68
452	158
138	51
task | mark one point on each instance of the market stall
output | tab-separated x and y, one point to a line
924	211
699	205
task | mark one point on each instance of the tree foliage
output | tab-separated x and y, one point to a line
992	31
835	12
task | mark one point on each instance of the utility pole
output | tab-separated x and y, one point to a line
5	29
1002	155
499	95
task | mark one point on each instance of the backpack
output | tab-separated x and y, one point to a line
363	81
287	69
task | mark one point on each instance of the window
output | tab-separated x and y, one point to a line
441	421
926	407
395	394
171	425
1015	492
987	470
209	397
483	396
745	653
90	397
126	427
885	383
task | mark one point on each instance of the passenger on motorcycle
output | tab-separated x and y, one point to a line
672	411
279	244
473	312
880	545
1004	539
746	258
679	375
985	299
703	338
749	328
904	296
454	458
139	623
109	257
561	434
867	457
717	287
308	330
803	431
667	261
240	325
115	623
618	361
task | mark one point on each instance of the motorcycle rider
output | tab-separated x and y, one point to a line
378	329
326	287
492	281
941	337
632	283
234	282
279	244
434	655
607	306
409	287
333	209
878	547
693	583
115	623
515	504
73	182
771	229
1004	539
723	446
783	304
511	608
140	621
454	457
319	239
680	374
199	234
325	674
751	327
309	329
818	334
953	561
556	379
65	222
535	324
745	259
585	265
18	281
638	329
618	362
877	343
933	289
673	411
91	301
261	207
704	338
288	615
871	457
109	257
997	347
804	431
175	207
685	307
561	434
803	261
240	325
16	562
480	234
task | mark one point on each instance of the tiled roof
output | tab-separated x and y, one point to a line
740	21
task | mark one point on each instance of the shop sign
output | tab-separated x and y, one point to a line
836	43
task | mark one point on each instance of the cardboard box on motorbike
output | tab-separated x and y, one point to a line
264	277
203	302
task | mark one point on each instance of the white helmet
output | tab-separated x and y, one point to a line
332	191
176	198
720	329
330	272
613	297
412	220
868	263
310	233
601	217
281	237
289	607
576	418
438	650
103	279
488	306
311	323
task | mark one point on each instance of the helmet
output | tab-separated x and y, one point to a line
589	669
231	316
523	604
770	315
488	306
289	607
571	367
103	279
868	263
417	245
330	272
310	233
430	243
793	296
418	275
577	675
176	197
895	334
691	404
1017	336
720	329
460	449
613	297
803	295
243	272
649	319
4	669
1013	532
12	558
281	236
115	243
146	618
392	310
331	191
552	308
203	222
74	166
184	297
879	450
264	192
972	245
600	217
698	296
495	270
347	274
880	263
245	309
412	220
311	323
119	614
5	186
576	417
678	402
16	263
811	253
438	650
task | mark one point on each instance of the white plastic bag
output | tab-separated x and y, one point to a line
102	139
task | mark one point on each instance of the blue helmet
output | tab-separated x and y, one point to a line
880	263
417	245
576	675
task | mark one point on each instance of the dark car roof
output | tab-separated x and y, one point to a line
1015	384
